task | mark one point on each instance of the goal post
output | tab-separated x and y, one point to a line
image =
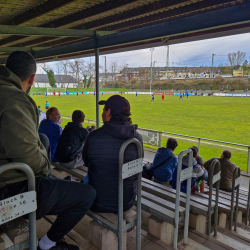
50	90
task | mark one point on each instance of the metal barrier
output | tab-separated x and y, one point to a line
235	183
127	170
248	206
211	181
185	174
26	201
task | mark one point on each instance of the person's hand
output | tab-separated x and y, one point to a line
202	167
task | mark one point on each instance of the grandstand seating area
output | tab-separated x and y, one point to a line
158	220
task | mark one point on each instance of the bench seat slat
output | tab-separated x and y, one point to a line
167	204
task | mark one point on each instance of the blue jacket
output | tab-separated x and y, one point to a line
165	172
53	132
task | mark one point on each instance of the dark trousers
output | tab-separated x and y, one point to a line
68	199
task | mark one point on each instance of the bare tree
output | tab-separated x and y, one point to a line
236	58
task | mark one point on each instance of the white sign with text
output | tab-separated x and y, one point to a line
237	181
131	168
17	206
216	177
186	173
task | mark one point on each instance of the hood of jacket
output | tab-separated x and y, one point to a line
120	131
9	78
185	160
73	125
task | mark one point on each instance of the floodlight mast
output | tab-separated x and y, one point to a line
152	49
211	73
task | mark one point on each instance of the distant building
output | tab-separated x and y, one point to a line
62	81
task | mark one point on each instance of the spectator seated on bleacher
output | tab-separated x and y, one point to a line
101	156
200	183
70	144
198	173
51	128
227	170
20	142
93	127
198	158
164	173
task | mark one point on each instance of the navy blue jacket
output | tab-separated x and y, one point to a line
53	132
101	156
165	172
70	142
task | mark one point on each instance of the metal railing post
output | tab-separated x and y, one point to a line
248	205
235	183
160	139
199	146
31	187
213	179
177	201
248	159
120	195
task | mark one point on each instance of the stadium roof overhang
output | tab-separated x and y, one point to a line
54	30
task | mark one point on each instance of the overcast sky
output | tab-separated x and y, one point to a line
184	54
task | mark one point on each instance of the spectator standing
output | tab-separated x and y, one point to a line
24	145
46	105
39	113
164	173
227	170
70	144
101	155
51	128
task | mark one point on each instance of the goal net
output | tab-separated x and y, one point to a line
50	90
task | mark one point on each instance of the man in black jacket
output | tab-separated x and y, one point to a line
101	156
70	144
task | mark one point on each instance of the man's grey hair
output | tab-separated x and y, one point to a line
22	64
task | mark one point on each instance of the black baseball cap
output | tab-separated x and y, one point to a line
117	104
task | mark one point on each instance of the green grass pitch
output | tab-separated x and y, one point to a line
219	118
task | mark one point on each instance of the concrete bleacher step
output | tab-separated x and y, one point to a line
14	235
72	237
232	239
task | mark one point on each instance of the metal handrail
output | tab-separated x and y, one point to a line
212	180
236	175
31	187
120	194
177	201
248	206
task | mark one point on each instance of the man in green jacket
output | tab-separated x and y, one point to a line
20	142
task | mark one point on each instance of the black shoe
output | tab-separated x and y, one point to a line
62	245
68	178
